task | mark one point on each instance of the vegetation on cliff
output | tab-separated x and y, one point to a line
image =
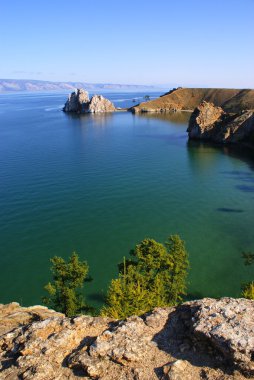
64	293
248	288
155	276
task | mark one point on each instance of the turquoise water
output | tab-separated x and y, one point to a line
98	184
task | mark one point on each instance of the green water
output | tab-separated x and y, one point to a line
100	184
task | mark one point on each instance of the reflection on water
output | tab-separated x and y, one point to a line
96	119
227	209
179	117
203	154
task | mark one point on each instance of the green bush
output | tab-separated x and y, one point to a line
248	291
64	293
154	276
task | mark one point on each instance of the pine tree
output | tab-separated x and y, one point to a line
154	276
64	292
180	265
248	289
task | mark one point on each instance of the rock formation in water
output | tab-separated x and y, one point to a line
100	104
76	101
231	100
79	102
205	339
209	122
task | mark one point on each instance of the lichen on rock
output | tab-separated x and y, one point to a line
204	339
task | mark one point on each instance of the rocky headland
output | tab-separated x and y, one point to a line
204	339
79	102
209	122
218	115
231	100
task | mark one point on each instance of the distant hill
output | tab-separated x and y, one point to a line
13	85
231	100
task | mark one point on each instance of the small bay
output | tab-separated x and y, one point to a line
98	184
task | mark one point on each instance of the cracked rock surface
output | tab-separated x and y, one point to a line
204	339
208	122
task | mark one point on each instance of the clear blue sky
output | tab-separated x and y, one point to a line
181	42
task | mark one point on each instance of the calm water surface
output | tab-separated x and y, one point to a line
99	184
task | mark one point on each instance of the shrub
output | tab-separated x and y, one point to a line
248	291
64	293
154	276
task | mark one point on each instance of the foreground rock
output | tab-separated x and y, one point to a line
79	102
209	122
206	339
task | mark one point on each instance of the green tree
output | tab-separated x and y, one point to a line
154	276
248	291
64	293
180	265
127	294
147	97
248	288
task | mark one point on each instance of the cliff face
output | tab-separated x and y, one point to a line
209	122
99	104
79	102
231	100
206	339
76	101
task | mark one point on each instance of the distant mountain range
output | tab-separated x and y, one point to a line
13	85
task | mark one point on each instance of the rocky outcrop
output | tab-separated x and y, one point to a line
209	122
79	102
231	100
12	315
228	325
206	339
202	120
100	104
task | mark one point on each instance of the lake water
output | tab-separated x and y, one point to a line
98	184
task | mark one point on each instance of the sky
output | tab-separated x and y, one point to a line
160	42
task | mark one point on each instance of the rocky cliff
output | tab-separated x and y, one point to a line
99	104
206	339
79	102
209	122
231	100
